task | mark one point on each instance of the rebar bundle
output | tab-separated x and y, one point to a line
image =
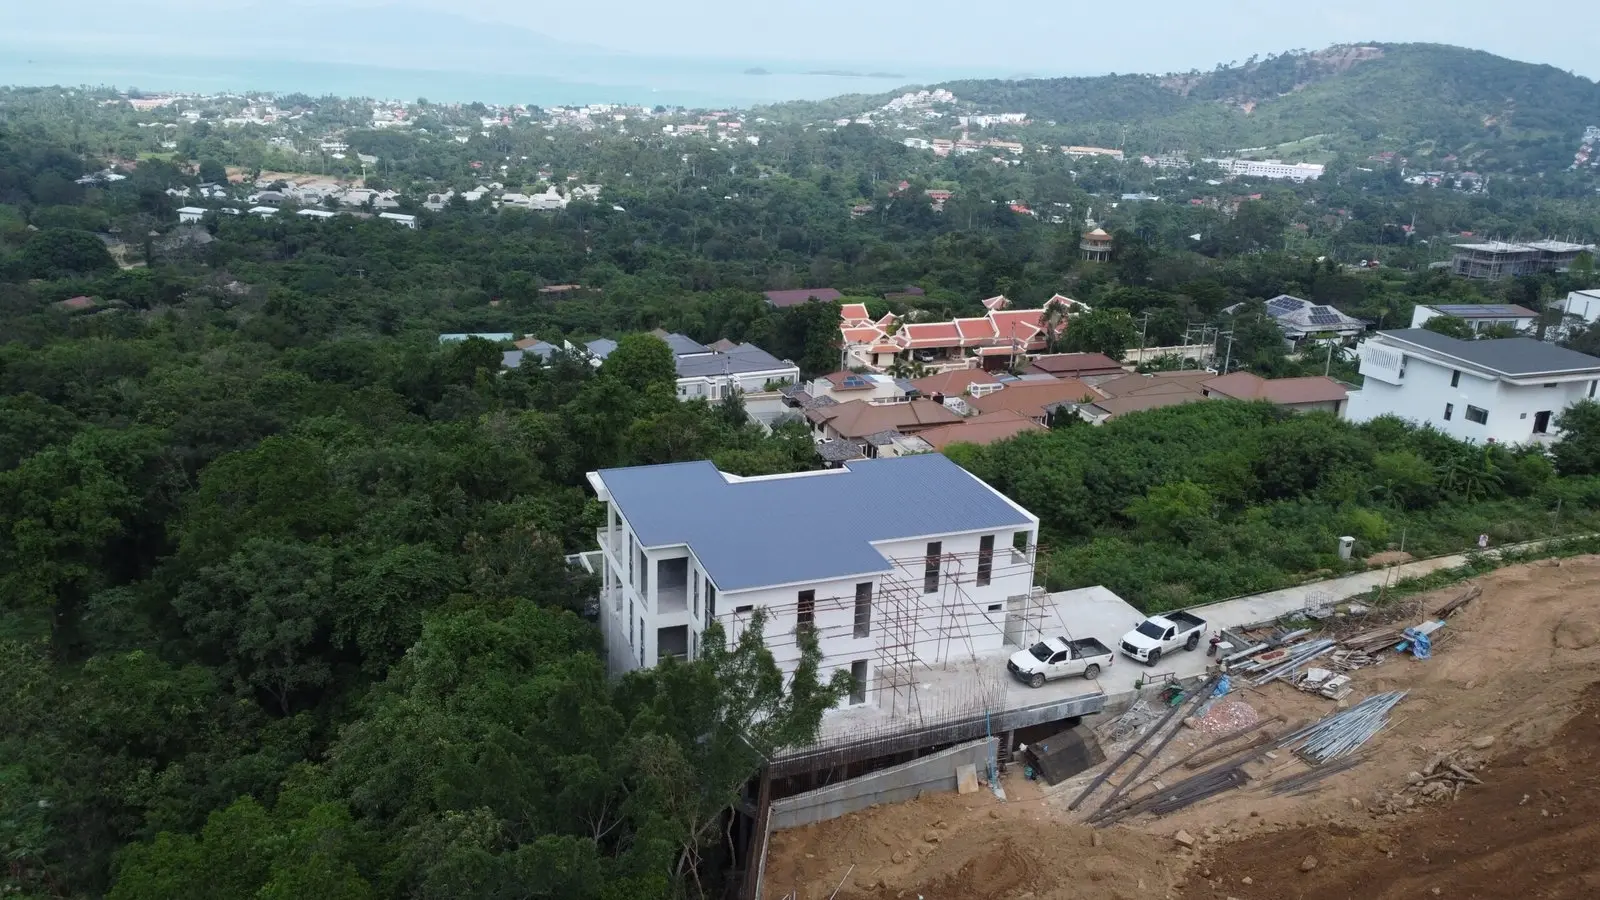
1344	731
1299	655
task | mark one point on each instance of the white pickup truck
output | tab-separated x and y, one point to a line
1162	634
1059	657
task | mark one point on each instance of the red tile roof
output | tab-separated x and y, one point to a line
931	334
863	334
854	312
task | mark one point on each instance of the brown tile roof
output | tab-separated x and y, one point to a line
858	418
802	295
1249	386
1030	398
1074	365
931	334
1156	383
982	429
953	383
1117	406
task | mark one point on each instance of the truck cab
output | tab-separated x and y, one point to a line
1157	635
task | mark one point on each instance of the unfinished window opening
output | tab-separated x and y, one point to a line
863	609
930	568
858	682
805	612
985	559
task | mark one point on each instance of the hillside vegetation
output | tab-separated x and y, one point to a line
1407	97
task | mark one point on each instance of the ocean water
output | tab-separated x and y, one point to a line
669	82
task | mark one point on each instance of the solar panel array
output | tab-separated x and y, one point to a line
1284	304
1325	315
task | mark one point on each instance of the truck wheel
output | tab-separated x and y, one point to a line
1192	642
1037	680
1155	657
1092	672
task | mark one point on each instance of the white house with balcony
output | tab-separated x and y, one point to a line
1479	316
1505	391
936	572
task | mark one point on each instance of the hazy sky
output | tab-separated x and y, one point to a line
1002	36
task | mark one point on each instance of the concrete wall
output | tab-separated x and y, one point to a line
901	783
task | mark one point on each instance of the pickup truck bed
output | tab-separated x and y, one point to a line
1185	621
1088	647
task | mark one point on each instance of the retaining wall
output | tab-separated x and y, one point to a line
903	782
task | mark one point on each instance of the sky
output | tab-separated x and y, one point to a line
999	37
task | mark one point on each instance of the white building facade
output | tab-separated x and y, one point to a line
936	577
1506	391
1271	168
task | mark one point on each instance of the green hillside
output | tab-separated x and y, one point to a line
1412	98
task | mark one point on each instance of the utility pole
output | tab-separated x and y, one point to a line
1228	358
1328	366
1142	330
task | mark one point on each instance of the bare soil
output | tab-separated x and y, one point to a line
1514	666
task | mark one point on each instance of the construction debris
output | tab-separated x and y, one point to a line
1454	606
1324	683
1443	777
1342	732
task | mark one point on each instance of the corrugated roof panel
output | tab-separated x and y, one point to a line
813	527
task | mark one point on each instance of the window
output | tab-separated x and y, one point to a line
711	602
1549	384
985	559
995	607
863	609
1455	378
741	610
630	621
930	568
631	582
805	612
695	592
641	642
1480	416
644	577
858	682
1449	410
1591	389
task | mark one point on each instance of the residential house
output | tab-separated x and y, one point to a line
986	428
1479	315
783	299
1581	306
922	580
1505	390
1077	365
958	383
495	336
265	212
1035	400
188	215
842	387
1316	393
1096	245
856	420
1301	319
400	219
704	373
314	214
1139	392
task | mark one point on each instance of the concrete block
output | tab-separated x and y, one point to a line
967	779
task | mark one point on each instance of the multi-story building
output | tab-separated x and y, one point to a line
1506	391
1500	259
1271	168
891	563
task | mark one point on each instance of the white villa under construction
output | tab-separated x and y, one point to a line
897	565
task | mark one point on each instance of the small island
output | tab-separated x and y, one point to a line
756	70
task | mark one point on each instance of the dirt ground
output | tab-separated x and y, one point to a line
1511	672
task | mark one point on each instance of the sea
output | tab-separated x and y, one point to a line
652	81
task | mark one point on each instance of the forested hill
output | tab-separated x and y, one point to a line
1404	97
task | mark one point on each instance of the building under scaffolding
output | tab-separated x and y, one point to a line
1500	259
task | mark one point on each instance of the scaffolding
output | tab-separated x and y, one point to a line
925	662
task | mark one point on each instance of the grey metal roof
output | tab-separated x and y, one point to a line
1484	311
802	528
682	344
743	358
510	359
600	348
1517	357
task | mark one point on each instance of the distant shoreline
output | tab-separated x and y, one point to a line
843	73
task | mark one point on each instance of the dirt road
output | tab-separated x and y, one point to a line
1510	670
